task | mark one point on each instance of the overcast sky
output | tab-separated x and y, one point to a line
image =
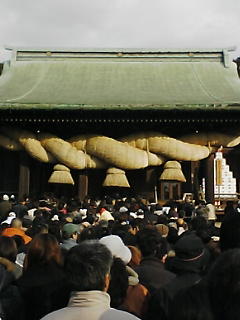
121	23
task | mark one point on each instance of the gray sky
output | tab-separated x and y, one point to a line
121	23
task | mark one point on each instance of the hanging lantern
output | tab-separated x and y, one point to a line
172	171
61	174
116	178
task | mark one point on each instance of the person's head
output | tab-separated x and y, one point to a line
136	256
162	229
117	247
118	283
223	282
199	223
8	248
70	230
5	197
54	228
189	247
190	255
151	243
16	223
88	265
38	226
43	250
230	232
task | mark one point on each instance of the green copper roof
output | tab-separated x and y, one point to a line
120	78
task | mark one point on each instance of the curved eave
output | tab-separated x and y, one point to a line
145	107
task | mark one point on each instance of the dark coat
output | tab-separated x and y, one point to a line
11	304
42	290
5	207
187	274
152	274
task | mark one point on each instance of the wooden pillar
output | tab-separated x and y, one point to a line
24	175
195	179
82	185
150	184
209	178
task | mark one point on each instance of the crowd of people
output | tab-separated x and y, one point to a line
117	258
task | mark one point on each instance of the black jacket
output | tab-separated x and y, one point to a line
42	290
152	274
11	304
187	274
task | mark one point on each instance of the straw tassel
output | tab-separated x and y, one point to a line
61	174
172	171
116	178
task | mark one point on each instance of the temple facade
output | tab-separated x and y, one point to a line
145	122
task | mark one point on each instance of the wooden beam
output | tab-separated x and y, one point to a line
82	185
24	175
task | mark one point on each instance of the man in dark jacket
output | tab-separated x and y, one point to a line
151	271
5	207
188	263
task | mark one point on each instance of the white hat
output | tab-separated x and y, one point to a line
117	247
5	197
11	216
123	209
132	214
83	213
106	215
55	218
158	212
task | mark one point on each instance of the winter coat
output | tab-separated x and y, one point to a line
67	244
152	274
5	207
90	305
42	288
11	304
187	274
137	297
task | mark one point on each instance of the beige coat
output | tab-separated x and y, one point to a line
90	305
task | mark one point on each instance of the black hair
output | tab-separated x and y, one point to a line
172	236
19	242
8	248
87	234
151	243
192	304
198	223
224	283
87	265
230	232
119	283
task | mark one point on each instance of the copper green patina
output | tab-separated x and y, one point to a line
119	79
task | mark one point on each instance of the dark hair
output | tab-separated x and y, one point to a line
224	283
87	234
151	243
38	226
8	248
119	283
87	265
191	304
54	228
19	242
198	223
230	232
43	249
172	236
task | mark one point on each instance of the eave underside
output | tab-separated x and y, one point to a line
116	122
